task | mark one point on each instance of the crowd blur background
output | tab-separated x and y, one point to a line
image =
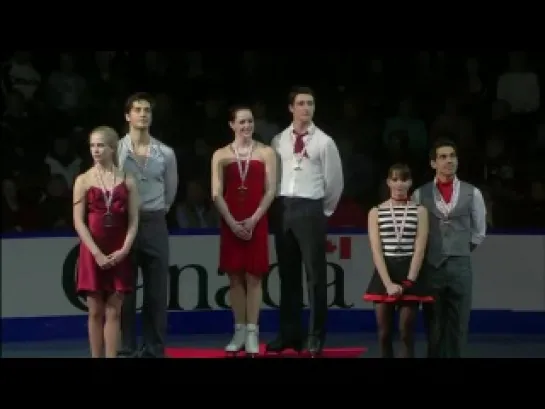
380	108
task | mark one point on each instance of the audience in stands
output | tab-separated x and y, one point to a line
380	109
196	210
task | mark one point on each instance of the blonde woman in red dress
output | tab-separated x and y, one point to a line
106	207
243	188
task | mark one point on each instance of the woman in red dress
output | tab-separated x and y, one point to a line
106	219
243	188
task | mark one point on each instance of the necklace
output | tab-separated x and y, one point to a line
398	228
243	164
108	195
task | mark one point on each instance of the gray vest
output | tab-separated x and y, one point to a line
450	237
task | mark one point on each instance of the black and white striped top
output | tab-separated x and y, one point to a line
390	245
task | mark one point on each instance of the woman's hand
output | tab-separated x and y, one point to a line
118	256
104	262
240	231
394	290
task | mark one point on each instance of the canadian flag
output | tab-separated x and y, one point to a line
342	244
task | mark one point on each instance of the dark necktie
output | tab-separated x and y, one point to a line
299	144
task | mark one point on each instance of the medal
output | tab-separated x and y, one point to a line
107	218
298	164
398	229
243	169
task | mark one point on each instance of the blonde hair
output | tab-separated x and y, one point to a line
111	138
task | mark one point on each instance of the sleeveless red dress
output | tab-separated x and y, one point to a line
90	277
237	255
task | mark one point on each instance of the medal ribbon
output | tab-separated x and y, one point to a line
399	229
108	198
243	170
443	206
300	147
141	166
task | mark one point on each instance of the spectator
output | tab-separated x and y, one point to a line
406	120
265	128
376	84
196	211
498	166
427	85
56	205
214	127
166	126
17	133
519	86
17	215
474	89
65	87
536	213
156	78
481	125
62	160
540	134
19	74
10	207
349	214
107	87
489	204
450	121
195	65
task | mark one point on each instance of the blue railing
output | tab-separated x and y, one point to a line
214	232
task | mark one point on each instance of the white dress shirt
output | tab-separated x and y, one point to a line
321	174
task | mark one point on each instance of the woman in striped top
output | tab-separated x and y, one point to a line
398	233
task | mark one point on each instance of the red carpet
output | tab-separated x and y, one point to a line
347	352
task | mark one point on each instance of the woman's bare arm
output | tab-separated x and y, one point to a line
217	187
134	213
269	155
376	247
420	243
80	204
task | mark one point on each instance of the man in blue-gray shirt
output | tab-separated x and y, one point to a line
153	165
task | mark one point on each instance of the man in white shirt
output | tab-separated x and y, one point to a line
311	183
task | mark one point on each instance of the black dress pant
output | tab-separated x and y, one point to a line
300	238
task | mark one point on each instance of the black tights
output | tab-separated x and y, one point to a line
385	320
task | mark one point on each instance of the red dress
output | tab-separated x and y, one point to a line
237	255
90	277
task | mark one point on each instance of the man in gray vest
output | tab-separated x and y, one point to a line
153	165
457	217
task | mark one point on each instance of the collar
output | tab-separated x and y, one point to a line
454	181
154	144
311	129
